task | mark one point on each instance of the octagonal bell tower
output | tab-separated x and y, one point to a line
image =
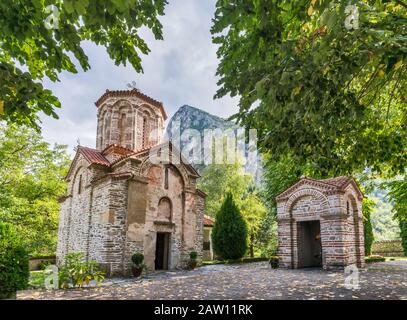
130	119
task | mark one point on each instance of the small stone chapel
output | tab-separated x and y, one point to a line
119	201
320	224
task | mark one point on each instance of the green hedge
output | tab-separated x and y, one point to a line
14	265
372	259
234	261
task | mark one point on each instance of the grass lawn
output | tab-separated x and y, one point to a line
395	258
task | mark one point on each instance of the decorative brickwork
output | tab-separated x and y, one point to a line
118	200
320	223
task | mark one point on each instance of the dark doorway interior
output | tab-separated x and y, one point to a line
161	251
309	244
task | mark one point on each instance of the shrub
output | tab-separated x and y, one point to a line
14	262
274	262
229	234
403	234
138	259
193	255
367	209
374	258
44	264
75	272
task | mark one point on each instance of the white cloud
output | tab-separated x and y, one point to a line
179	70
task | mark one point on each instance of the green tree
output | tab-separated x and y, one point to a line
327	96
14	271
253	212
403	234
398	194
229	234
367	208
26	40
267	235
31	180
219	179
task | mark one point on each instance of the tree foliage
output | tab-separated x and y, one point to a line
254	213
229	234
217	180
367	208
398	194
31	180
327	96
26	41
14	271
220	179
403	234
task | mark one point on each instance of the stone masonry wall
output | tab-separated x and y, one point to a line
340	217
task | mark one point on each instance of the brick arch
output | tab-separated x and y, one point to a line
357	220
122	103
299	194
164	209
146	165
78	172
151	111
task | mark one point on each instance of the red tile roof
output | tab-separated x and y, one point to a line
132	93
333	184
208	221
94	156
339	182
115	148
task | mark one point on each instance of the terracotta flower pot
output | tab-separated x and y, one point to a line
136	271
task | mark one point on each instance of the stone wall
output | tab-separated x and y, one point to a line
388	248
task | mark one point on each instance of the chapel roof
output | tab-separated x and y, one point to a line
94	156
337	184
131	93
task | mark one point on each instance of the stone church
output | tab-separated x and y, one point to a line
119	201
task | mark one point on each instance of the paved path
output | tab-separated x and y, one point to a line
386	280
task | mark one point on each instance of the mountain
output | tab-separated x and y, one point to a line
194	118
187	118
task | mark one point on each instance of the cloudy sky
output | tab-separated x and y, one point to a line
179	70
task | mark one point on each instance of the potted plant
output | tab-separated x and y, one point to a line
274	262
193	260
138	264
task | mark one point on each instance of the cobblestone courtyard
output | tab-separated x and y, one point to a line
386	280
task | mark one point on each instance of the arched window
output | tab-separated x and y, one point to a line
80	184
122	129
144	132
166	178
165	209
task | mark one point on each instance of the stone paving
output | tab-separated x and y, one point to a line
386	280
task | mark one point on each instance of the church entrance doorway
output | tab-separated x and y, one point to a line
162	251
309	244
